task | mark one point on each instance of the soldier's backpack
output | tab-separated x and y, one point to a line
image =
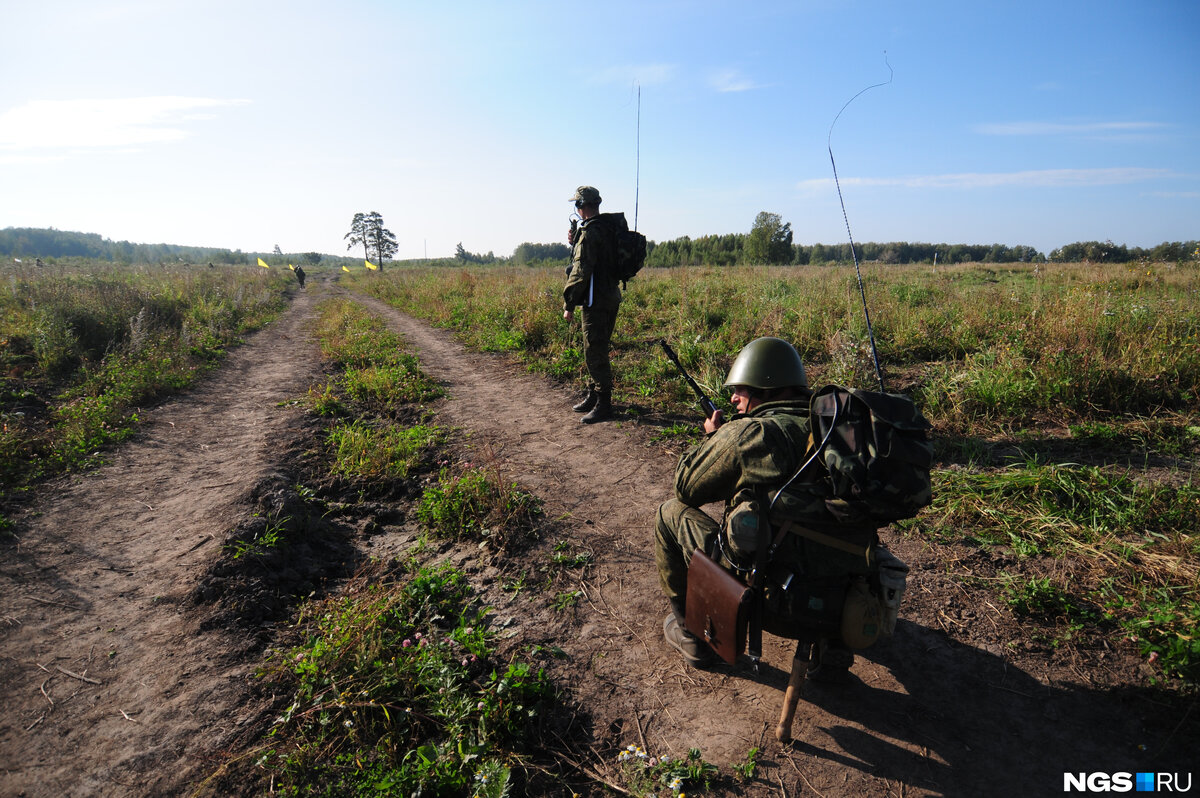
631	249
869	464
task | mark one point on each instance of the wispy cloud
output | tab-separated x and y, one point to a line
1065	129
1045	178
727	80
131	121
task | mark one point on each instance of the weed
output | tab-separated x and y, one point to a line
392	691
647	775
747	769
1035	597
475	505
372	452
565	599
268	534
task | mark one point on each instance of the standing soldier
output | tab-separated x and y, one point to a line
592	285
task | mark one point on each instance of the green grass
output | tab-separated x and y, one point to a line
395	690
988	345
363	451
83	348
476	505
377	371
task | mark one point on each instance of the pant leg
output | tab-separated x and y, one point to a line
598	324
679	531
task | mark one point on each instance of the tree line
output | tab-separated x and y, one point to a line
768	242
36	242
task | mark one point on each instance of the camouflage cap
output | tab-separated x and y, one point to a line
588	195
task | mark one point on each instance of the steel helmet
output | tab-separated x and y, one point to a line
767	363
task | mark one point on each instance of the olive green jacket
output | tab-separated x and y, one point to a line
591	281
755	452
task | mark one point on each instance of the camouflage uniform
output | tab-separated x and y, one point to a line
749	454
591	285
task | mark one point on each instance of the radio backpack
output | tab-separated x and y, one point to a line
875	452
631	249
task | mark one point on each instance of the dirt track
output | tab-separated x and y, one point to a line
113	686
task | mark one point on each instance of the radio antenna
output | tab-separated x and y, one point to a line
637	172
853	254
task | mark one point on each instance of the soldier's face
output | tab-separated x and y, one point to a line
742	400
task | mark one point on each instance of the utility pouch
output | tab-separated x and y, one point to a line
744	525
893	579
718	607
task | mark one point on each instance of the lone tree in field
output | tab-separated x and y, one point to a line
770	240
367	229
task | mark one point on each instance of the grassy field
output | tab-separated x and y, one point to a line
85	345
1065	400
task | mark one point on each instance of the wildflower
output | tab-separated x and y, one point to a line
349	724
406	643
479	705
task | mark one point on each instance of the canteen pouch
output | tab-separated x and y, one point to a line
861	615
893	579
718	607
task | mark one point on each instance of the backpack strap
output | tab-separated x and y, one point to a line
826	539
764	556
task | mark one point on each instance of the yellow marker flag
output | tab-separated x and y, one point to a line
345	268
263	263
290	266
370	265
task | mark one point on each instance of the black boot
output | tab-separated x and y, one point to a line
603	409
694	650
588	402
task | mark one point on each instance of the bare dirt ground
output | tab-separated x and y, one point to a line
120	679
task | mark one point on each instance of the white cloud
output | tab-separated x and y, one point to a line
1061	129
43	124
1045	178
728	80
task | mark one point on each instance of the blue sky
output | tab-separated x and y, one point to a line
249	124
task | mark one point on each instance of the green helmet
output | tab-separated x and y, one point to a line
767	363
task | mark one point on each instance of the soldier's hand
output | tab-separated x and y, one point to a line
569	314
714	421
571	237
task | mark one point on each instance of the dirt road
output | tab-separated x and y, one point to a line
115	687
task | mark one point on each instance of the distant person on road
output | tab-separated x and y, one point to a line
756	451
300	275
593	286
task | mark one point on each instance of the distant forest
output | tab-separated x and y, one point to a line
714	250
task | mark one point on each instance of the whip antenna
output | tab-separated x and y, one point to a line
854	254
637	171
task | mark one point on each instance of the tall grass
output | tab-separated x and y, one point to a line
82	348
977	344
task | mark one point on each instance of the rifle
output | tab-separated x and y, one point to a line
706	404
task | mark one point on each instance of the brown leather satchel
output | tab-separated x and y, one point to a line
718	607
